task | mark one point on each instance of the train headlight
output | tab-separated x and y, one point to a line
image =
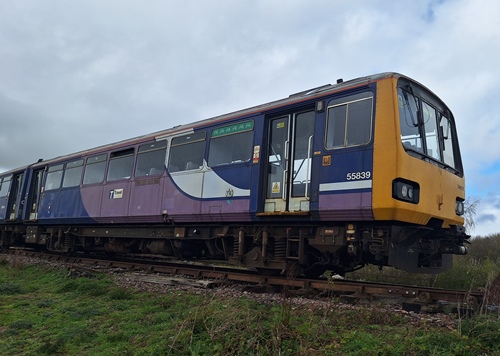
459	207
406	190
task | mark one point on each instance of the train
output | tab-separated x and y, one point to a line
333	178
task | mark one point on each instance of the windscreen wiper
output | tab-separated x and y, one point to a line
415	124
413	121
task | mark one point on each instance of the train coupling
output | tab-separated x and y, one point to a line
454	243
455	250
454	239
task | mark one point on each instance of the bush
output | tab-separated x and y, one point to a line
476	270
468	273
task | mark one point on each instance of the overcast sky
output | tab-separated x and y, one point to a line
77	74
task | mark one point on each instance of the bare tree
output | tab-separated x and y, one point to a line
470	210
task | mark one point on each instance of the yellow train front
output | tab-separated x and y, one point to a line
416	150
413	189
366	171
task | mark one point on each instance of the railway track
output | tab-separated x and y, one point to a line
412	298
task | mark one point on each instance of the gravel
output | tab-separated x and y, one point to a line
142	281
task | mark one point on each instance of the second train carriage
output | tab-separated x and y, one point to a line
364	171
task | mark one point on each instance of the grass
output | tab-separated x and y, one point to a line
44	311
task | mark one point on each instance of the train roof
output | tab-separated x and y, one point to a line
186	128
14	170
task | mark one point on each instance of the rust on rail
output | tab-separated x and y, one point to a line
470	299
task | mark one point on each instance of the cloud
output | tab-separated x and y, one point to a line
486	218
22	127
82	74
487	213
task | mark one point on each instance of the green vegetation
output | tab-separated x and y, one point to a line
476	270
46	311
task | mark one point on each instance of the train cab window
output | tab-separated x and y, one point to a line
431	133
54	177
151	159
94	170
4	186
426	131
349	121
186	152
120	165
73	174
409	121
448	141
239	137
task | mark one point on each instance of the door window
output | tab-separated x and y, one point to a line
276	157
4	186
304	129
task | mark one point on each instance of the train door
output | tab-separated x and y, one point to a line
15	203
4	197
147	191
35	194
289	162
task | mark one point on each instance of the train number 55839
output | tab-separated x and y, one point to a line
359	175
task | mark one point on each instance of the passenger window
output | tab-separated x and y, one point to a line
186	152
231	144
54	176
120	165
151	159
349	121
4	186
73	174
94	170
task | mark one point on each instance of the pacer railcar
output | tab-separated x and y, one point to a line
366	171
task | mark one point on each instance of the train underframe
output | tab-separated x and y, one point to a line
271	249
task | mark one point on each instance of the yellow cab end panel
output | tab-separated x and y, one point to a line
438	188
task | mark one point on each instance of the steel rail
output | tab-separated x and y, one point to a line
355	289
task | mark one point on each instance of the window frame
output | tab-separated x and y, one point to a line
346	101
57	171
446	147
3	180
231	131
100	159
431	141
144	150
423	98
177	143
73	166
116	164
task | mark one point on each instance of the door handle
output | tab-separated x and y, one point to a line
284	193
